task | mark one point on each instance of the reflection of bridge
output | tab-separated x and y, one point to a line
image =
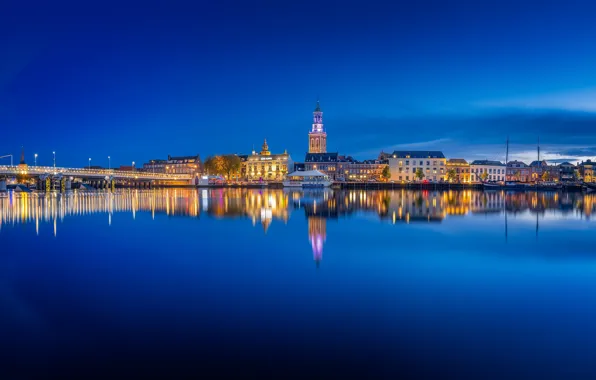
101	177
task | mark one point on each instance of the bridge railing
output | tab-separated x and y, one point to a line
75	172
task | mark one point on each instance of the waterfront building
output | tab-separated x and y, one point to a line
266	166
175	165
317	137
495	170
324	162
461	168
567	171
518	171
537	169
586	171
403	165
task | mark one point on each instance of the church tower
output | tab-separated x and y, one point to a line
317	137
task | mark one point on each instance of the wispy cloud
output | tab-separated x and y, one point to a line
583	100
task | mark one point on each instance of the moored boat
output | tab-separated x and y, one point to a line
491	185
548	185
309	178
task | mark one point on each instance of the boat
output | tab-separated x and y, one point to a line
305	179
548	185
491	186
19	188
515	185
590	186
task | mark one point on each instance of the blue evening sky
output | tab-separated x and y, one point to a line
138	81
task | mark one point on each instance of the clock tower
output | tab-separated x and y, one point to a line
317	137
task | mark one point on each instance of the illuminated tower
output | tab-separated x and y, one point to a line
317	137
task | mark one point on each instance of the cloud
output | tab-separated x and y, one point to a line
564	135
583	100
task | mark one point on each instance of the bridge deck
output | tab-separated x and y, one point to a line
91	173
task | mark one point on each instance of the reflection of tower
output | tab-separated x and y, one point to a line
266	216
317	137
317	233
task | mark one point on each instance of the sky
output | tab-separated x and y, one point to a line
140	81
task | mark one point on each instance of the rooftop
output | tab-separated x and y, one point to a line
418	154
487	163
457	161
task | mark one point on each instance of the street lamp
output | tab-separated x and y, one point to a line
89	163
133	166
54	153
35	155
109	167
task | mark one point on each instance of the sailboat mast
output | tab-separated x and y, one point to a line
538	148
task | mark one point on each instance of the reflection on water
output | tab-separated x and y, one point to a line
266	206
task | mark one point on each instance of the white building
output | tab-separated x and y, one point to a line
403	165
495	170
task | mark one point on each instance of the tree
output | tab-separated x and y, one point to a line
517	175
386	173
419	174
545	176
451	175
231	165
483	176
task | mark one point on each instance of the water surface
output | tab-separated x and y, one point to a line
374	284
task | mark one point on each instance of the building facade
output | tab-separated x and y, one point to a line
266	166
586	171
537	170
461	168
404	165
567	172
317	137
518	171
495	171
324	162
175	165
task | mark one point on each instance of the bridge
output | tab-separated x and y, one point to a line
96	177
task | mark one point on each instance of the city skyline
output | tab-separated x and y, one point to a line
142	83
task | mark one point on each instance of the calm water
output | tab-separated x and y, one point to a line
375	284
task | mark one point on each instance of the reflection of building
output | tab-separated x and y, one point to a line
317	234
461	169
267	166
403	165
495	170
412	206
518	171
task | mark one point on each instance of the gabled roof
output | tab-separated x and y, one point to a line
418	154
459	161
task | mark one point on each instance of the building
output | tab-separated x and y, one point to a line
367	170
175	165
317	137
266	166
324	162
537	170
567	171
461	169
518	171
403	165
586	171
495	171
